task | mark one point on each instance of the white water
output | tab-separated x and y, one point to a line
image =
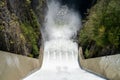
60	61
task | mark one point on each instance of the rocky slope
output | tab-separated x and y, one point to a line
20	22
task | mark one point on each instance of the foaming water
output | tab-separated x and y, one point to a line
60	22
60	61
60	54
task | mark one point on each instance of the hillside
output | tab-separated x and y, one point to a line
20	22
100	34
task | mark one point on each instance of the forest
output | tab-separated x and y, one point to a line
21	20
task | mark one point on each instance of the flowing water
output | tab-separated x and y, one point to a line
60	61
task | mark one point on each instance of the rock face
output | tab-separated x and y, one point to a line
20	23
39	7
10	32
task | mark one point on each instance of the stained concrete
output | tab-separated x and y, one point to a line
15	67
107	66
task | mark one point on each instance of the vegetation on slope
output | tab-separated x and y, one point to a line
100	34
19	26
31	30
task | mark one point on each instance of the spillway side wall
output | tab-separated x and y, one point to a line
107	66
16	67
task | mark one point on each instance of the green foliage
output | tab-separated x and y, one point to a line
30	28
31	37
28	1
19	27
102	27
87	53
1	28
114	37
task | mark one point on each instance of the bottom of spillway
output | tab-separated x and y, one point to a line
60	62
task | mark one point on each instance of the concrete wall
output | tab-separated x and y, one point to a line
107	66
15	67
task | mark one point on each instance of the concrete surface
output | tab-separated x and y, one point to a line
15	67
107	66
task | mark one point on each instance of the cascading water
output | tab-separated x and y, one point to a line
60	61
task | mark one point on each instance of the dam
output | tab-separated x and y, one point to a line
60	58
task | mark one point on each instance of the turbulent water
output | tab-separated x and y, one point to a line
60	61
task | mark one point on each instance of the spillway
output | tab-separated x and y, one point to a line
60	62
60	58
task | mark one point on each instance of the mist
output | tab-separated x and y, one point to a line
61	22
60	60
